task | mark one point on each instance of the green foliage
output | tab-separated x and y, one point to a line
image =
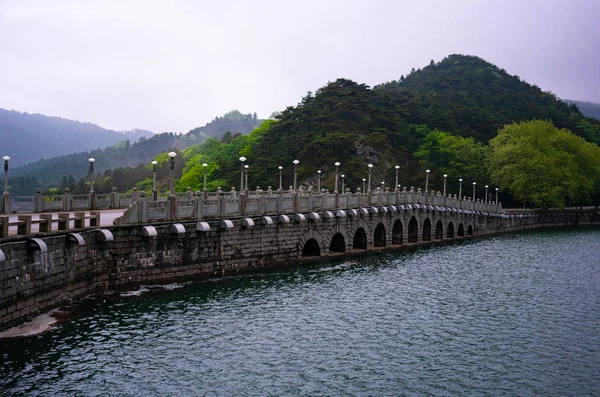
544	165
456	156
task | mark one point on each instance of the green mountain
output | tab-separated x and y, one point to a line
233	122
28	137
396	123
589	109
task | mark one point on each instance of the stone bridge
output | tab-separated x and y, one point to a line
156	241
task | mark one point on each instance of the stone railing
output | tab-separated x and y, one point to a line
67	202
217	205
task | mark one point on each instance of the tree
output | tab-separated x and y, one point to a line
541	164
456	156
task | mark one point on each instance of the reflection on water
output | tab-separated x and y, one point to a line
509	315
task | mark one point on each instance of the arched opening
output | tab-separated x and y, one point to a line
439	230
470	230
461	230
311	248
397	233
426	230
450	230
337	243
379	238
413	230
360	239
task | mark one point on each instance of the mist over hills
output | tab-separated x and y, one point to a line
46	173
589	109
29	137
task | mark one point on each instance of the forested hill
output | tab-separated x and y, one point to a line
472	97
48	173
28	137
396	123
589	109
232	122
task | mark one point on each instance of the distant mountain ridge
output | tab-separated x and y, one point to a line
47	172
589	109
29	137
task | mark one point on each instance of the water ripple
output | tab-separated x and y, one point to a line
509	315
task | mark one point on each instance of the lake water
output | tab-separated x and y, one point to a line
509	315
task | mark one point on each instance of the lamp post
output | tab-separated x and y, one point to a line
474	183
154	193
382	187
319	181
427	180
91	160
242	160
445	176
5	158
364	184
246	176
172	186
496	196
280	178
369	185
204	165
343	176
486	196
397	168
337	168
296	162
460	189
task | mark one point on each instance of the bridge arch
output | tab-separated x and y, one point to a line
334	233
338	243
397	232
311	243
470	230
426	236
461	230
413	230
360	239
379	235
439	230
450	230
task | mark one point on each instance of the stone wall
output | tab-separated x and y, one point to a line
38	274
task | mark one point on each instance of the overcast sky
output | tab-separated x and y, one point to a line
175	65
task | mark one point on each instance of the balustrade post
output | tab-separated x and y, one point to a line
38	201
46	227
92	205
261	201
24	229
295	201
135	195
243	201
172	204
4	220
198	203
279	201
189	195
143	216
67	201
114	198
5	203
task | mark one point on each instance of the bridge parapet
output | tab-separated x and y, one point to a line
258	203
